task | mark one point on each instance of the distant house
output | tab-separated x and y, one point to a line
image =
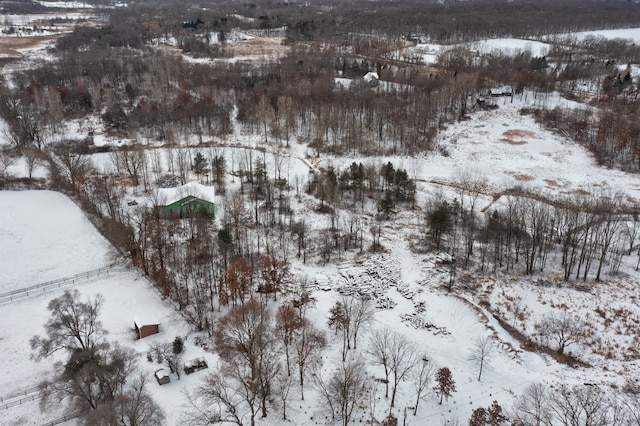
186	200
146	325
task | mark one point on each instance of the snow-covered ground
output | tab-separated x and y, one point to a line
510	46
57	241
623	33
44	236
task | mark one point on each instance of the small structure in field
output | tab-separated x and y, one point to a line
185	201
195	364
501	91
372	79
146	325
162	376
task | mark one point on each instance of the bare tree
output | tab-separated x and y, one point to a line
130	160
287	325
348	315
483	348
75	164
73	326
165	351
91	380
6	160
135	407
564	330
362	314
379	347
33	157
631	406
402	359
221	399
532	407
580	406
422	380
308	349
282	387
344	389
246	343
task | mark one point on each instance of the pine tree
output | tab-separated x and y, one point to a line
199	165
386	204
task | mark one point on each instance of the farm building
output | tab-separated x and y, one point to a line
185	200
146	325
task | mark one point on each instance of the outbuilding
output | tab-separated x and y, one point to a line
185	201
162	376
146	325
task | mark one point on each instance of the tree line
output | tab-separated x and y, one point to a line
584	235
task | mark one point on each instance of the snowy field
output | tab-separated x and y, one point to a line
623	33
44	236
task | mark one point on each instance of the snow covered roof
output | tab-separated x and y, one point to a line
371	76
162	373
142	320
166	196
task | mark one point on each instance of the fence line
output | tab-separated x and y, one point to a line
62	419
20	401
21	397
22	293
19	394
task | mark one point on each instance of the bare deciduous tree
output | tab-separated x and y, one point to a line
73	326
532	407
164	351
348	315
130	160
402	359
308	347
580	406
396	354
246	343
6	161
344	389
564	330
362	313
220	399
135	407
422	380
287	325
379	347
483	348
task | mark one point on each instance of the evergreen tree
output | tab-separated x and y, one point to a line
199	165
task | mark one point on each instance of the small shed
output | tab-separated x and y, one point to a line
146	325
162	376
